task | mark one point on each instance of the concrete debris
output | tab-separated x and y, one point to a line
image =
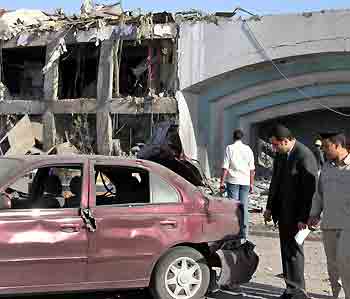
25	138
134	150
38	131
108	10
19	139
146	27
266	156
4	92
164	30
23	40
87	8
16	22
123	31
60	12
26	25
257	200
101	34
188	15
196	16
60	49
65	148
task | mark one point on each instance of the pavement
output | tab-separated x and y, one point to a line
257	227
266	283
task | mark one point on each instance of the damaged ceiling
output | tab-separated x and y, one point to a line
99	23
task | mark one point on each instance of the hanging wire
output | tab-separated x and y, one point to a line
253	36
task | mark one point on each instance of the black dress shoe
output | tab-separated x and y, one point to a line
300	295
285	295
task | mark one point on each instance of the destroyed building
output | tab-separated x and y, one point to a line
91	79
250	72
104	78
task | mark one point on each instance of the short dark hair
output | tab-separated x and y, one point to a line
238	134
281	132
338	138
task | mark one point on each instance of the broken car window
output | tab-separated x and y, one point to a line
117	185
47	188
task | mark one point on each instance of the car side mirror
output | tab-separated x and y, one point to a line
5	201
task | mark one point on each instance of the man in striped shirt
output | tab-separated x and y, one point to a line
333	203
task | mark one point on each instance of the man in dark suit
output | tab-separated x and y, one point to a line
292	189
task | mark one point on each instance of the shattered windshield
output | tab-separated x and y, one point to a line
8	168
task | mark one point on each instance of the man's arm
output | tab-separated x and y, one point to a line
252	171
223	178
317	205
268	210
252	178
308	175
225	167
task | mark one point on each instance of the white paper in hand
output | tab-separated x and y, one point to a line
301	236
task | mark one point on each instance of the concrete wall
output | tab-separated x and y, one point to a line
256	94
207	50
229	82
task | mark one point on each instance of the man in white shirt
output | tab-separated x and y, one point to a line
238	174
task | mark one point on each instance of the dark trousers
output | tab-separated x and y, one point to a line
292	260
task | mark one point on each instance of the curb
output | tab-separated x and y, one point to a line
270	234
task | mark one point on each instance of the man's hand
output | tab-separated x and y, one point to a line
302	226
222	188
251	188
313	222
267	216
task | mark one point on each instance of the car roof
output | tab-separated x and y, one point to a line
53	158
125	161
32	160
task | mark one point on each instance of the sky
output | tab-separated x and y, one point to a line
261	7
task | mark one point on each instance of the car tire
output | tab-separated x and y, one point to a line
182	273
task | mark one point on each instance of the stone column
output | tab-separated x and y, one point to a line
104	94
50	95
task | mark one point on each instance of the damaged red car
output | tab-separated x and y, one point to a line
101	223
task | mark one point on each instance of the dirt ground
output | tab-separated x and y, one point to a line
270	266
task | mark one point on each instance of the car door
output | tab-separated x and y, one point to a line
130	236
43	246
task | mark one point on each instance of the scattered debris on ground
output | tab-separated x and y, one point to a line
257	200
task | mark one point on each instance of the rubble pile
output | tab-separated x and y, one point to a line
27	24
257	200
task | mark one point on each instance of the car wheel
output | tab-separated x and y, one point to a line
181	274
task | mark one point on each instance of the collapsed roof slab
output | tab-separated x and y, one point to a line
117	106
72	36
